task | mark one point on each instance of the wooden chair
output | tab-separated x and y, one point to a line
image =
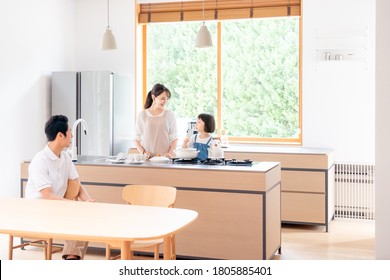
148	195
72	193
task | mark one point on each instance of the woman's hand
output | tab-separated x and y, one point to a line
148	155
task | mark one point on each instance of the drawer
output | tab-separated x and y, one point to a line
303	181
302	207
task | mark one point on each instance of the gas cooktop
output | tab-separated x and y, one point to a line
186	161
244	162
209	161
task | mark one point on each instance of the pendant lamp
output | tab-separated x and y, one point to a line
108	41
203	38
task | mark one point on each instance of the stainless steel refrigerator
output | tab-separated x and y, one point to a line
105	101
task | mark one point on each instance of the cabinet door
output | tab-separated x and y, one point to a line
303	207
229	225
303	181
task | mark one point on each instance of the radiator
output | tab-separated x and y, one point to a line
355	191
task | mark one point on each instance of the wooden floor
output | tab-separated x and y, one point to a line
346	240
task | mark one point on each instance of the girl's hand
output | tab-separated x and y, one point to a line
168	155
185	142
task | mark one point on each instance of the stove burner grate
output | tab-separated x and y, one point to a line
245	162
210	161
185	161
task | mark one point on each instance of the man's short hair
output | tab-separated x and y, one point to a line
55	124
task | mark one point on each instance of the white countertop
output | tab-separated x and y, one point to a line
255	167
278	149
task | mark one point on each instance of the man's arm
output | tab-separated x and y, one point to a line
47	193
83	194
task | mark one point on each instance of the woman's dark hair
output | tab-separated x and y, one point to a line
209	122
156	91
54	125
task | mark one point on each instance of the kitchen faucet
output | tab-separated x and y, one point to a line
73	147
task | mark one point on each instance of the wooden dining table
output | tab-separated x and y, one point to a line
93	221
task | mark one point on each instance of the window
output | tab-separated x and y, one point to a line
189	73
260	92
249	80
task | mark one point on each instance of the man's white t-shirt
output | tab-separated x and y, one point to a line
48	170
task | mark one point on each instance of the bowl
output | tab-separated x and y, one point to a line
186	153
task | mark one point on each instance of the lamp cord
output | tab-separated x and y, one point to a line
289	8
149	15
203	11
181	12
216	10
108	13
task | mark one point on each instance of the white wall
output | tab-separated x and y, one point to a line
42	36
37	37
382	195
339	96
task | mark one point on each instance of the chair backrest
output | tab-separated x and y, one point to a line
73	189
149	195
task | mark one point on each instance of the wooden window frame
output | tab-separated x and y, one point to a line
217	9
296	5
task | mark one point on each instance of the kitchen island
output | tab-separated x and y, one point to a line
238	206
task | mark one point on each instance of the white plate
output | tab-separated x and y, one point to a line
135	161
116	161
159	160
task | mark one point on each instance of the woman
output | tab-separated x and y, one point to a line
156	131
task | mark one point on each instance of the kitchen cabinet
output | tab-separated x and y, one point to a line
238	206
307	188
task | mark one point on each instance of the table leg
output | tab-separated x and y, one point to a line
167	248
125	250
49	249
10	246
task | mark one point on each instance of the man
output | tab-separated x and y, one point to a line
49	172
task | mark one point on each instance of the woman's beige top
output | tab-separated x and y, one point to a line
156	133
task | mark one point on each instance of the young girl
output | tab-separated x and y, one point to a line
202	141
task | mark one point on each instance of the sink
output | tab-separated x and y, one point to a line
91	159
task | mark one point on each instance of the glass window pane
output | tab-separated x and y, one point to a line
261	77
188	72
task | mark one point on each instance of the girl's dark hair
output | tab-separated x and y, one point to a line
156	91
209	122
55	124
